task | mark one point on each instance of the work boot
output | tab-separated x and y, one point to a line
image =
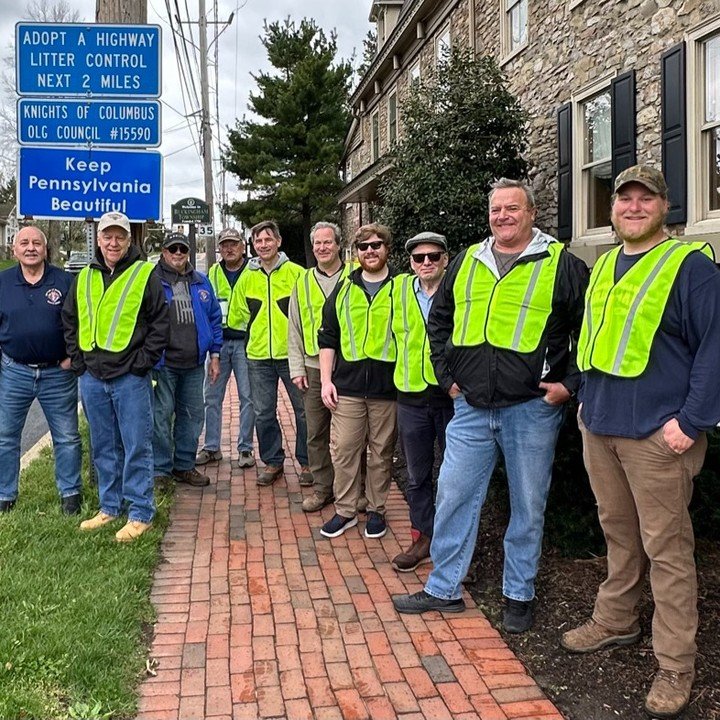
71	504
669	694
306	476
6	505
518	616
131	530
206	456
245	459
95	523
191	477
316	502
417	554
269	475
591	637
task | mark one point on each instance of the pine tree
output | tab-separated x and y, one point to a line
288	159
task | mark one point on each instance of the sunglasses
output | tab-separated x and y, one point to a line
177	248
433	257
375	245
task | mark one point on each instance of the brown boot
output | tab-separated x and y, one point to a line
416	554
269	475
669	694
191	477
315	502
590	637
306	476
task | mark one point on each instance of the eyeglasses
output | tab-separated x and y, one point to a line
177	248
375	245
433	257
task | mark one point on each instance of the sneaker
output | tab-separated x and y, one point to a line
518	616
337	525
417	554
421	602
306	476
131	530
591	637
362	504
245	459
6	505
375	526
269	474
669	694
206	456
71	504
95	523
316	502
191	477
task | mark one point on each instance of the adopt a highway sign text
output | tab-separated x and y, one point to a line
79	183
66	59
126	123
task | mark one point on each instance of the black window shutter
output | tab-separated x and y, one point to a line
564	134
674	131
622	102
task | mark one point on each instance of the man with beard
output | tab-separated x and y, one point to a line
648	350
195	332
357	357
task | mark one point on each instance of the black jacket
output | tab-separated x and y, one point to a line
148	340
490	377
372	379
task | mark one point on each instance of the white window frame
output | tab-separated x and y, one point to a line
588	236
507	7
391	139
375	148
700	220
415	73
442	40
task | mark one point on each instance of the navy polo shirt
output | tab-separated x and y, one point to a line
31	328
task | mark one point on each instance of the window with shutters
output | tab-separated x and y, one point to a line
415	74
710	126
596	161
392	118
514	26
375	135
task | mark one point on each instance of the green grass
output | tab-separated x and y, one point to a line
75	606
4	264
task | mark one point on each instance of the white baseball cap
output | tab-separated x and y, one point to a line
114	219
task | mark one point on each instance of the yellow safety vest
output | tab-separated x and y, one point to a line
311	299
413	369
622	318
107	317
510	313
222	289
365	326
269	296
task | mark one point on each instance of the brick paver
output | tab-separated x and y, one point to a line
259	616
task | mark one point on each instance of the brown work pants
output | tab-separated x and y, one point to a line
643	489
360	425
317	417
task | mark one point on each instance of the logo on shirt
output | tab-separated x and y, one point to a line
204	295
53	296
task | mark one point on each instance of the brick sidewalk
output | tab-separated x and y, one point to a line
259	616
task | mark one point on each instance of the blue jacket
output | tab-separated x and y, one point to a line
208	316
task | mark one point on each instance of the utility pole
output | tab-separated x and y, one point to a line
206	133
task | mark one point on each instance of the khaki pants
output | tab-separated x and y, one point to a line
359	425
643	490
317	417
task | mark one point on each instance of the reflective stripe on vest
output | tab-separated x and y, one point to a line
365	327
311	299
413	369
222	289
510	313
107	316
622	318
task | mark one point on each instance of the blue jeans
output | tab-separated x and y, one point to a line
56	391
264	376
177	417
232	360
526	434
418	428
120	416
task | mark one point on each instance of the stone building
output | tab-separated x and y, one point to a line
606	83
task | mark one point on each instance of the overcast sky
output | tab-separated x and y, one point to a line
240	53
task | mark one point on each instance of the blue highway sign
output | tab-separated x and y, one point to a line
77	183
126	123
66	59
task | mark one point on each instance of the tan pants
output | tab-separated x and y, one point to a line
359	425
317	417
643	490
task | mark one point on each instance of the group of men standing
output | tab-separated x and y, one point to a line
479	355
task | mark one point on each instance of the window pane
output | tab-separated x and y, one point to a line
712	79
392	122
599	192
375	137
597	135
518	24
713	145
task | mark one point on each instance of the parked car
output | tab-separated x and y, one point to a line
77	261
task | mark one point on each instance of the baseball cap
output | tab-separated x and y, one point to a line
230	234
651	178
114	219
426	237
176	238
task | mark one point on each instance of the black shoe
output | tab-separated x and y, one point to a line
71	504
375	526
518	616
421	602
6	505
337	525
